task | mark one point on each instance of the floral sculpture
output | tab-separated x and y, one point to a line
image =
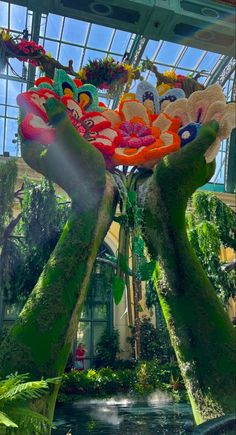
140	131
65	135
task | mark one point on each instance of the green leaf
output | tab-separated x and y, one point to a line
132	196
6	421
140	309
28	390
146	270
118	289
122	219
123	262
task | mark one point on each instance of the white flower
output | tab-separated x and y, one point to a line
204	106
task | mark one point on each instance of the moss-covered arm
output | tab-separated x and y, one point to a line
200	330
40	340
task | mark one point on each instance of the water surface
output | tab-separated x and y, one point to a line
123	416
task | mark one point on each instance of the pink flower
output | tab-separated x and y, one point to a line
93	126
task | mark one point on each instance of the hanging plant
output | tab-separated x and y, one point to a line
169	79
108	74
20	48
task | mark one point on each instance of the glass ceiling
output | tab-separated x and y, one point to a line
67	38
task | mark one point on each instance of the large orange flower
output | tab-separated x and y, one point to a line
144	137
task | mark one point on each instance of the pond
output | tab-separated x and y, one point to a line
123	416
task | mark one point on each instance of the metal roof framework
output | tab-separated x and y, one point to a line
67	38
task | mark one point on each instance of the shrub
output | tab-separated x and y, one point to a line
145	378
107	349
149	340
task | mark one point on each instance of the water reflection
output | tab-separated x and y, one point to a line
123	416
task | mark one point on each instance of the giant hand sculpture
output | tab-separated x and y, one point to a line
56	128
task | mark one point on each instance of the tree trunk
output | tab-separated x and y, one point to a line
40	340
200	330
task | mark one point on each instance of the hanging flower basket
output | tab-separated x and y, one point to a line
108	74
25	51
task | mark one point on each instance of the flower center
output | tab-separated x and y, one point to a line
135	135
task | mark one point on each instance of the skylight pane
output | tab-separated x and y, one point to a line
162	68
169	52
14	88
120	41
50	47
2	91
182	71
29	21
68	52
11	130
209	61
1	135
190	58
43	25
150	49
4	14
99	37
202	79
18	18
75	31
12	112
54	25
16	67
2	110
92	54
115	56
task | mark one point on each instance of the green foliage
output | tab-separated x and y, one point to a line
43	218
118	285
16	391
207	207
8	174
211	225
144	378
146	270
107	348
150	340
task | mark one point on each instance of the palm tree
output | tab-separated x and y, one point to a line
16	416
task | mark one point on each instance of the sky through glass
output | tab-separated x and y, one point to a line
67	38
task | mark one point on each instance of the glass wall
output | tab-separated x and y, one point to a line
97	314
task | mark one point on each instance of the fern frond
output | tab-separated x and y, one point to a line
26	391
6	421
30	421
11	381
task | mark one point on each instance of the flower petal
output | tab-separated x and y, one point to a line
64	85
87	97
73	106
148	95
112	116
225	114
162	122
133	109
34	128
33	101
212	151
179	109
149	155
95	121
199	102
104	144
170	96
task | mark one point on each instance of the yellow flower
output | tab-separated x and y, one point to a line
130	70
162	88
128	96
49	54
82	74
5	35
171	74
